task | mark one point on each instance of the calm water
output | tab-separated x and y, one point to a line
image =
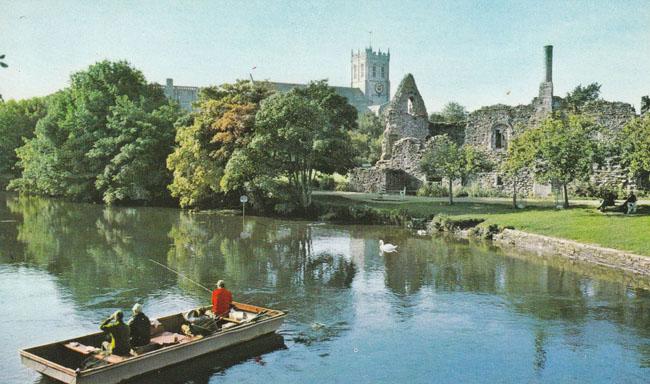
438	311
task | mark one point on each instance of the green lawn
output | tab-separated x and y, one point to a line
581	223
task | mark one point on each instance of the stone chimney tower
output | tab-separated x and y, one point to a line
545	100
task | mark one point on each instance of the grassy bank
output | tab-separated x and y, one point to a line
581	223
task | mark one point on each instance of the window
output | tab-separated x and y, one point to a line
374	71
499	181
361	71
499	138
354	71
382	72
410	105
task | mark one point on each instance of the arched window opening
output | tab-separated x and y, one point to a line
354	71
410	105
499	138
499	181
383	73
374	71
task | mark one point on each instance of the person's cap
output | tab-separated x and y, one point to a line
137	308
119	314
221	284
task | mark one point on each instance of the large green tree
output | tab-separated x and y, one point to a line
634	144
560	150
17	123
580	96
444	158
70	154
452	112
224	123
297	134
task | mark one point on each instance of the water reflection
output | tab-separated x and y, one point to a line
427	300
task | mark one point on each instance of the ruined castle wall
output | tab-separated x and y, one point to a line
369	180
483	125
407	154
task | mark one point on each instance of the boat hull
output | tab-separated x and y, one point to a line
155	360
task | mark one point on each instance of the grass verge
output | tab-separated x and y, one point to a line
581	223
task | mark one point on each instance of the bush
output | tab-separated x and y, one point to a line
325	183
343	186
476	190
433	190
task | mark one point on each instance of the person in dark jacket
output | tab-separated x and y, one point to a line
140	327
119	332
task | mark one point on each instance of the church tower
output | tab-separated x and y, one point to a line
369	73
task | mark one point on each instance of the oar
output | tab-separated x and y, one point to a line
181	275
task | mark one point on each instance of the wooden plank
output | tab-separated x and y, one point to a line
78	347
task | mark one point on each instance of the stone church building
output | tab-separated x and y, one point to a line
369	88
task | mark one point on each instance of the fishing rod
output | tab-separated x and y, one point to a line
181	275
263	313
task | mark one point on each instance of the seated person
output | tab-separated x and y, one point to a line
629	206
119	332
221	300
140	327
609	200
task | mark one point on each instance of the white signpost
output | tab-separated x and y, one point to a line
243	199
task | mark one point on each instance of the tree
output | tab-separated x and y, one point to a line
66	157
452	113
561	150
17	123
444	158
515	166
634	143
134	154
296	135
367	138
580	96
223	124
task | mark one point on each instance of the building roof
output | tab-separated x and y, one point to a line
355	97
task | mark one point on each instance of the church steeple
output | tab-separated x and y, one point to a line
369	72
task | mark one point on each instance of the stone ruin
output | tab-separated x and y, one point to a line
407	129
489	128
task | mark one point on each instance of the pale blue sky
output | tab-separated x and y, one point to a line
472	52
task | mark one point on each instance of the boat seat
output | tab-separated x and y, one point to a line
78	347
113	359
169	338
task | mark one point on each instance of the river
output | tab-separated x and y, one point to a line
439	310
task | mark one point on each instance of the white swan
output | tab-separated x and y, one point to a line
387	248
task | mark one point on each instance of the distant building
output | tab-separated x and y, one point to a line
183	95
369	80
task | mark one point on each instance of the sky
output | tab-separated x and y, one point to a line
476	53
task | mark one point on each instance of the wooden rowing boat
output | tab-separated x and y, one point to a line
63	360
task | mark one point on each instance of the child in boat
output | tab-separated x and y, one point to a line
119	332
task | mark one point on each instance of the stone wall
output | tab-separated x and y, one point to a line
405	116
545	245
382	180
483	125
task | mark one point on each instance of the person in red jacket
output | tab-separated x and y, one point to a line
221	300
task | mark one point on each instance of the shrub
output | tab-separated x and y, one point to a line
433	190
325	183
